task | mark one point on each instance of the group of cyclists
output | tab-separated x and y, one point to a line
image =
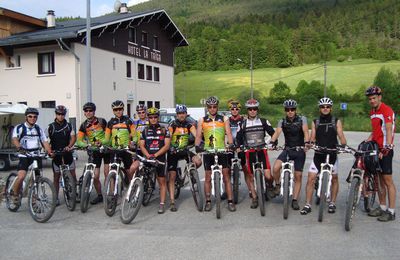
214	132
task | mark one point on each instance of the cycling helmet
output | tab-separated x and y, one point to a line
140	107
89	105
252	103
180	108
153	111
373	90
31	110
325	101
212	101
290	103
234	104
61	110
117	104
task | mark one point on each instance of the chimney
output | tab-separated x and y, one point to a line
51	19
123	9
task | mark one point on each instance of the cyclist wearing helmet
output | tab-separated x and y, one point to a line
62	138
213	128
383	129
28	136
295	130
120	133
154	143
93	132
141	123
325	131
252	135
180	130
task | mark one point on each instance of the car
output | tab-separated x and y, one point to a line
167	118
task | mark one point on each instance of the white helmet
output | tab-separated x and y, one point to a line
325	101
251	103
290	103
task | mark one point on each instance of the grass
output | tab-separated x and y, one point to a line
346	76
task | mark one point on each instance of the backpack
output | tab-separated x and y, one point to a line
284	121
371	162
52	128
24	132
333	122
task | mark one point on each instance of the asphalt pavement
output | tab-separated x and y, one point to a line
189	234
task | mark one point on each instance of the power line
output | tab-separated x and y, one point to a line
295	74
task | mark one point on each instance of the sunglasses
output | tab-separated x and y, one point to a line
180	113
88	111
59	114
153	117
290	109
325	107
252	109
210	107
30	116
237	109
118	109
141	112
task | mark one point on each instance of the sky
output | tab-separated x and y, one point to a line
62	8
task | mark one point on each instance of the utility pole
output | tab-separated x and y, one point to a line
251	73
88	54
325	78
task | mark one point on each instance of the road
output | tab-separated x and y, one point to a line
191	234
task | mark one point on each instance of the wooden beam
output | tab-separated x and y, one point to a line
22	17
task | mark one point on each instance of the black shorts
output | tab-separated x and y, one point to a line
68	159
125	157
97	157
262	157
24	163
208	160
240	156
174	158
298	157
161	168
386	163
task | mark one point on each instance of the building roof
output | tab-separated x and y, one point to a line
22	17
74	28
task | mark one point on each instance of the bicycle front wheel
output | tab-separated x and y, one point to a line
42	200
352	203
69	190
196	189
178	183
322	201
370	190
11	204
149	187
110	200
217	191
131	202
260	190
85	191
286	199
236	177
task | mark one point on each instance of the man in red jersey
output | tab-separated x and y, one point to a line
383	128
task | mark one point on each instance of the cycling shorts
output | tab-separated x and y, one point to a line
124	156
208	160
262	156
24	163
161	168
98	157
174	158
68	160
316	169
298	157
386	163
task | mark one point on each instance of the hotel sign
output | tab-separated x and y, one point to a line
144	53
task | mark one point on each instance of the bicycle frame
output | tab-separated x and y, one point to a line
116	166
287	167
326	168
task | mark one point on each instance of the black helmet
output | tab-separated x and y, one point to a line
117	104
61	110
141	107
290	103
89	105
212	101
31	110
373	90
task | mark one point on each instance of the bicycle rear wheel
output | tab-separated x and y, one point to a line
352	202
149	186
370	191
42	200
178	182
260	190
217	190
196	189
286	199
322	202
85	191
10	203
236	177
131	202
69	190
110	200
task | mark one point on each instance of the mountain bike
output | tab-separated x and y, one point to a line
190	171
116	181
361	182
67	182
39	189
140	188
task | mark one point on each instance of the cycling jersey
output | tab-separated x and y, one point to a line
235	126
119	131
154	137
293	130
139	127
252	132
180	132
60	134
92	131
214	132
379	118
326	134
31	139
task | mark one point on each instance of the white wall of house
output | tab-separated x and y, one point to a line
24	84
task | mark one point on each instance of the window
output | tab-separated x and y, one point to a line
157	104
156	74
23	102
128	69
142	102
149	72
132	35
13	61
155	42
149	104
140	71
144	38
46	63
48	104
113	61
